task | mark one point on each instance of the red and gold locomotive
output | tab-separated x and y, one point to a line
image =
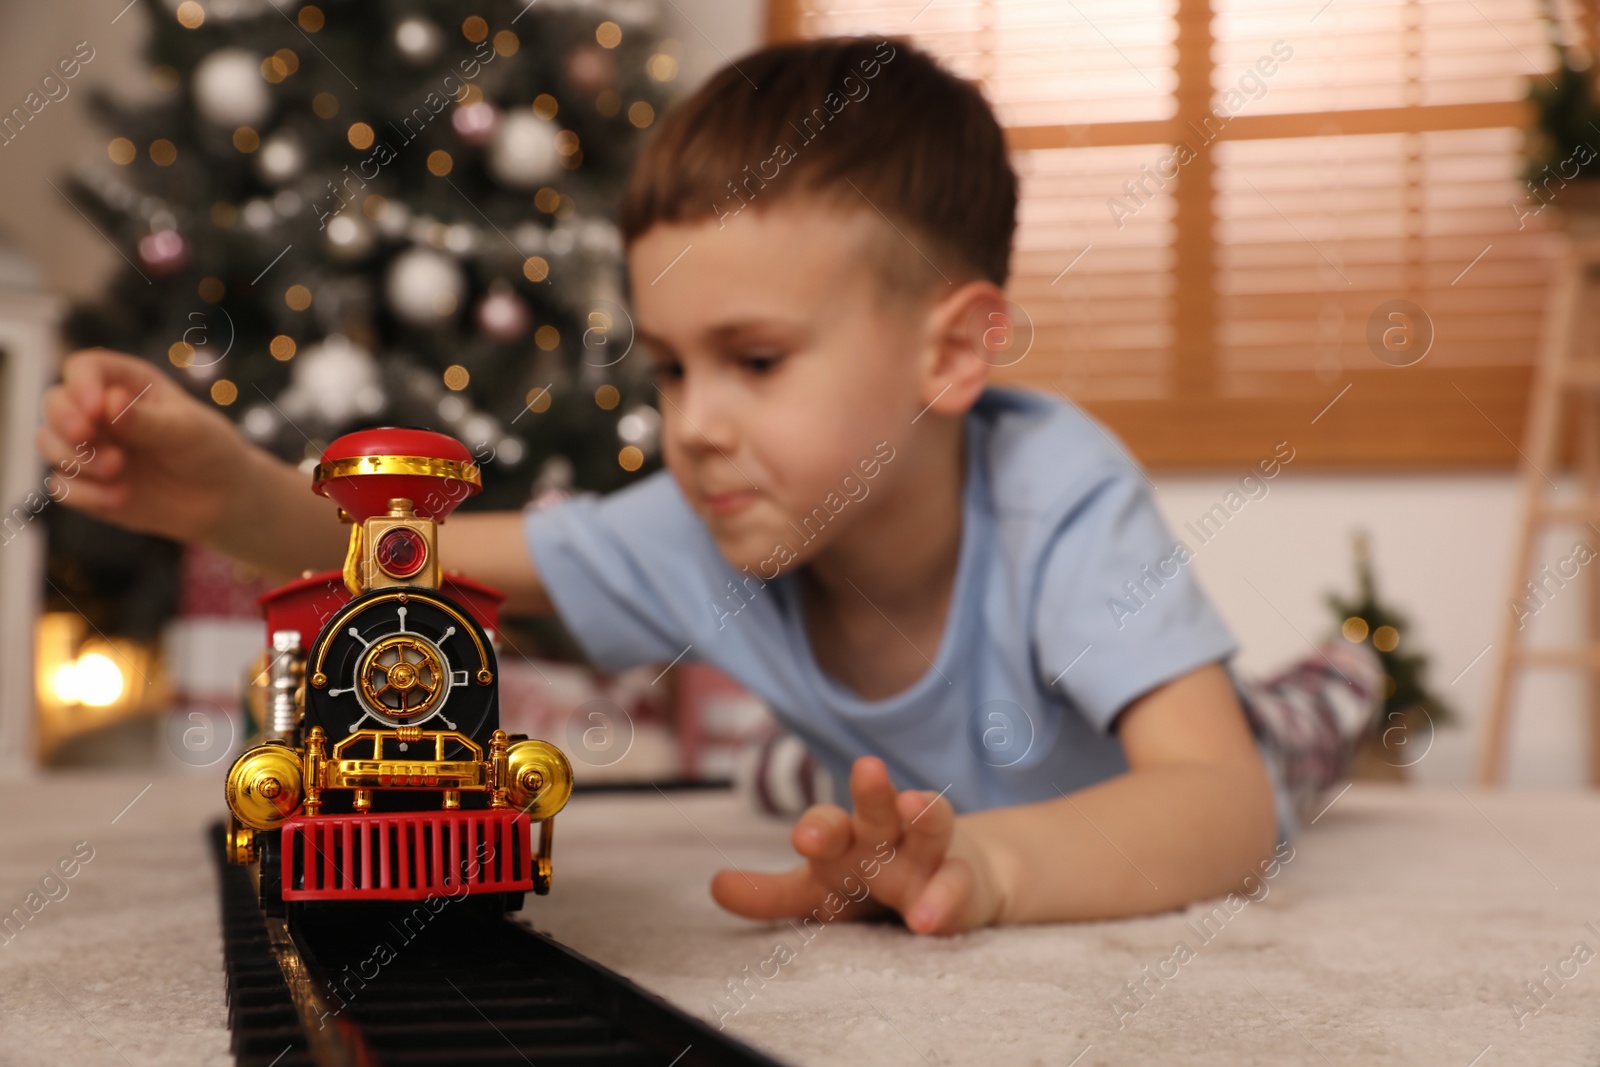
383	773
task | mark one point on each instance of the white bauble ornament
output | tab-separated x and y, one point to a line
229	90
281	159
523	152
349	236
331	381
424	287
418	40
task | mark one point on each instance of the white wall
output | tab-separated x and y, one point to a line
1441	547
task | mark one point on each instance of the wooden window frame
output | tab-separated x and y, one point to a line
1377	416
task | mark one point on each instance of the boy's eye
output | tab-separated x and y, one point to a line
666	370
759	362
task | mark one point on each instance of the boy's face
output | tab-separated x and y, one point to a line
781	368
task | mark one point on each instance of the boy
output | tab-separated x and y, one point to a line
911	568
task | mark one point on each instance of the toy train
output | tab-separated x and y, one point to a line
382	773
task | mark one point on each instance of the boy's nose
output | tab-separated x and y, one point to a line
700	419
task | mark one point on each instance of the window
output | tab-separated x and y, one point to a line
1222	202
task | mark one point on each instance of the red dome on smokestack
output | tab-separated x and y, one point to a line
361	471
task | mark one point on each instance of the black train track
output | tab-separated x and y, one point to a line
454	987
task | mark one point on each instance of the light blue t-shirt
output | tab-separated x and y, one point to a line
1068	603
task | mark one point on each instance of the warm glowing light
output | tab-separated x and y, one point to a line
93	679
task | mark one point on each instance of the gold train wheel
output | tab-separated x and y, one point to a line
265	786
402	677
539	778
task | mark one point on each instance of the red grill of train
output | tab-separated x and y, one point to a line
406	855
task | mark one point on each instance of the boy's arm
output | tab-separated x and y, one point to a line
131	447
1189	820
487	545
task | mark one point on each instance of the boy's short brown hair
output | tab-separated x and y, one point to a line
857	122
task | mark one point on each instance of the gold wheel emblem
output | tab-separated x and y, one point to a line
402	677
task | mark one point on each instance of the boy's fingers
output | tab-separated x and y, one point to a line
65	415
122	395
941	907
929	821
823	832
92	498
87	373
766	896
874	795
100	462
51	448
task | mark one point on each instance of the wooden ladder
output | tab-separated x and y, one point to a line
1567	375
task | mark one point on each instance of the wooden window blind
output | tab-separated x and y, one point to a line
1218	197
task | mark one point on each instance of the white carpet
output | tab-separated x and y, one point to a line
1402	931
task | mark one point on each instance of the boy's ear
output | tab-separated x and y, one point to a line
970	331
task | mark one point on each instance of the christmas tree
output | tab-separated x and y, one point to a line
1368	619
389	212
377	211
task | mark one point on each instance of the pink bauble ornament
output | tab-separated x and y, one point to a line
591	70
502	315
164	251
474	123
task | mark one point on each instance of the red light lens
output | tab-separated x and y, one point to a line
402	553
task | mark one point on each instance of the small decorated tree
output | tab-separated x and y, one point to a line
1401	735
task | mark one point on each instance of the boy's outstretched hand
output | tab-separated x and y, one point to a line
899	851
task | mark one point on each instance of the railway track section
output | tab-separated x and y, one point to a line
437	983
